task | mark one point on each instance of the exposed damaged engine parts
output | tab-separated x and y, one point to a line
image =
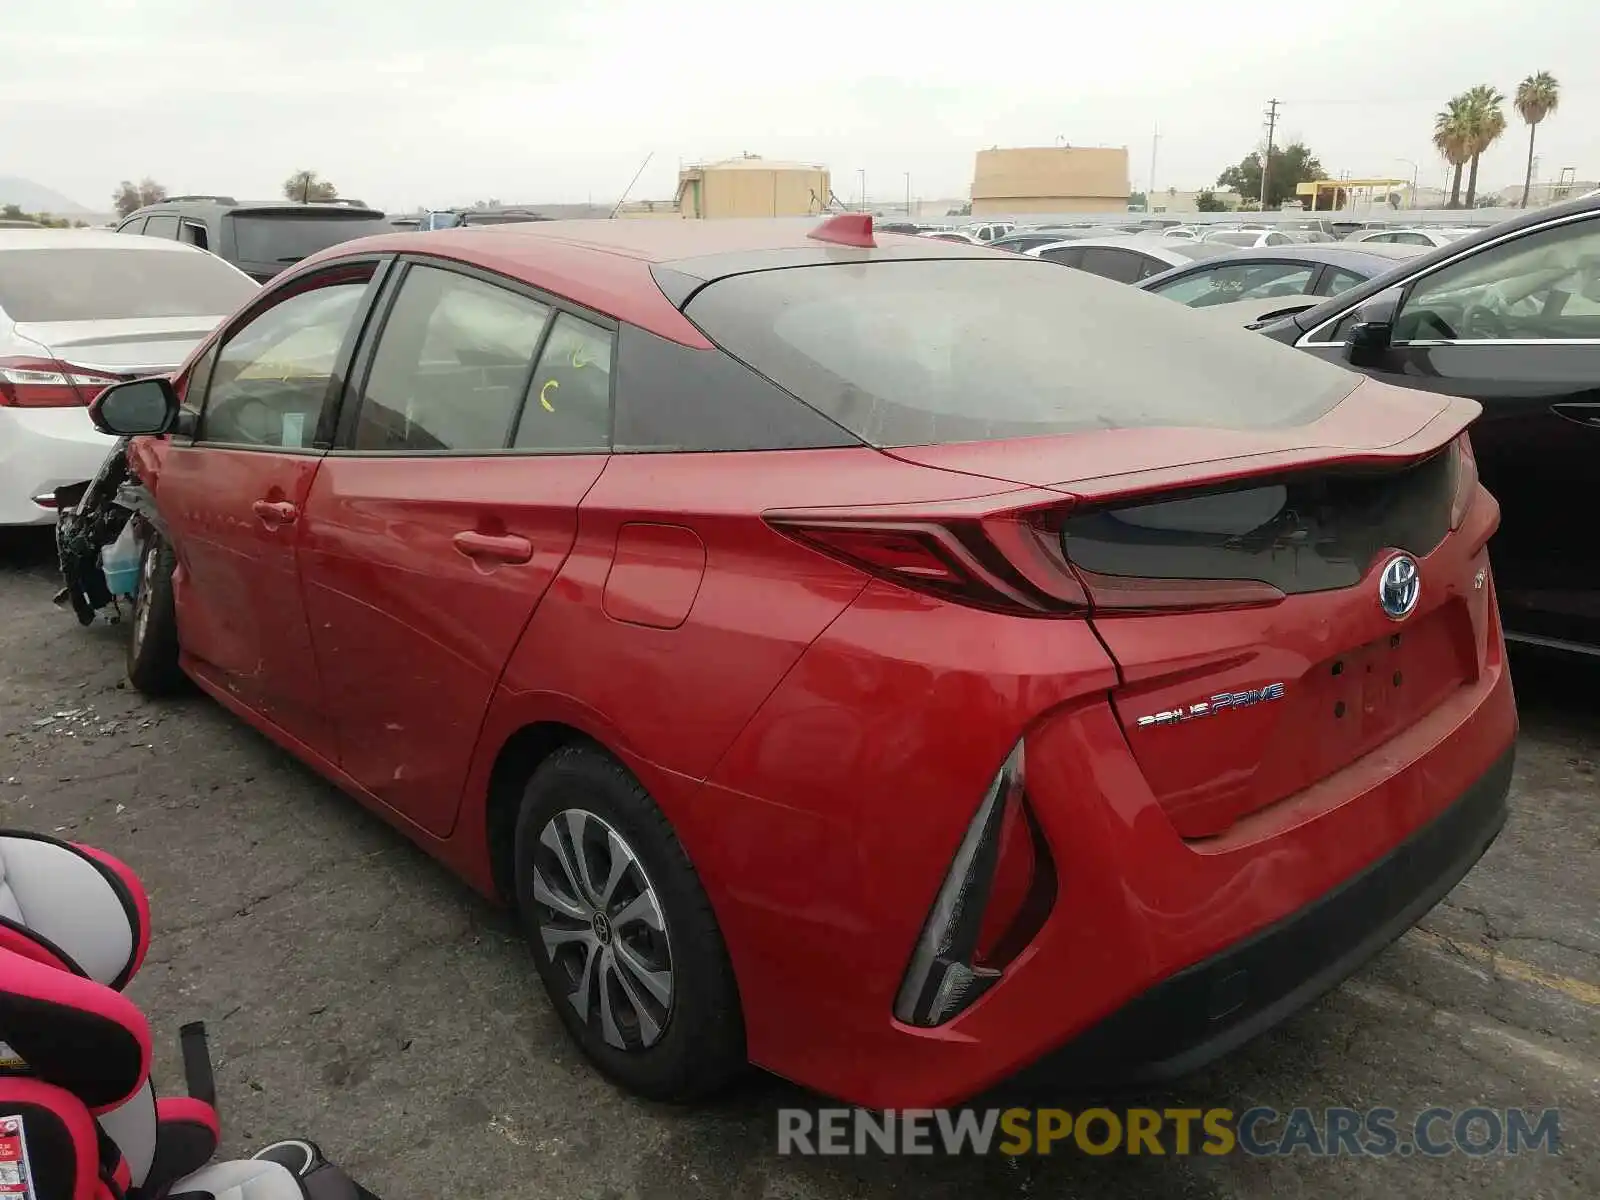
94	516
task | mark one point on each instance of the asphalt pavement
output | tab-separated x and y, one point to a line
357	993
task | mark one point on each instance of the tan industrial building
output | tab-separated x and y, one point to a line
1050	179
751	186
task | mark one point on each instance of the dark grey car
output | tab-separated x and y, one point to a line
1309	270
261	238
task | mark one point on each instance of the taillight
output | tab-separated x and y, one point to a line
48	383
994	898
1466	480
1010	562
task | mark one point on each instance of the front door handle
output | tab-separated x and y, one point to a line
487	547
273	513
1583	412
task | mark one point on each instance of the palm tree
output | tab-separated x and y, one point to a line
1537	97
1486	124
1452	139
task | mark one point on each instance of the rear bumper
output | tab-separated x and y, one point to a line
1209	1009
40	450
822	854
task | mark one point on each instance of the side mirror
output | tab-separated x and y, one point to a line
135	408
1367	344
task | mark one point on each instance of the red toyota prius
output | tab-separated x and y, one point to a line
899	664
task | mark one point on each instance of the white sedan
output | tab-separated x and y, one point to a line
80	309
1410	237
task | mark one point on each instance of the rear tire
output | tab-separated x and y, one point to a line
153	639
622	932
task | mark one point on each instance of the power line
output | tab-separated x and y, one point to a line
1266	163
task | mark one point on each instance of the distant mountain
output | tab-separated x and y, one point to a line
35	198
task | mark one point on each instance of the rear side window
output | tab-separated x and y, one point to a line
1030	350
161	226
569	402
1065	256
671	397
451	366
1122	265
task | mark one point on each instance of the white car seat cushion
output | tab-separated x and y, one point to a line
83	911
243	1179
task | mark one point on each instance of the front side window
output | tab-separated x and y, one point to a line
273	375
569	403
1543	286
451	367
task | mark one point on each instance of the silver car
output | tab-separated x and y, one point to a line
1127	258
80	309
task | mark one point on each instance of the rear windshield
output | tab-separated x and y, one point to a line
290	236
92	284
956	350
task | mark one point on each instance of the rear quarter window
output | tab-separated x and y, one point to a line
675	397
924	352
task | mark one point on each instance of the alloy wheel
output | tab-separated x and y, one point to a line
603	928
141	598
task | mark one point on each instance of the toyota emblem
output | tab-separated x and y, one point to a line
1399	585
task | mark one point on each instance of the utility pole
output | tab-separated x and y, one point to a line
1266	163
1150	189
908	195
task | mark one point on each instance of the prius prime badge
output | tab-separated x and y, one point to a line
1399	586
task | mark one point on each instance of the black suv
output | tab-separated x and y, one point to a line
261	238
1510	316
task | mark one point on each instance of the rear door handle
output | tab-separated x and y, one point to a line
1583	412
486	547
275	512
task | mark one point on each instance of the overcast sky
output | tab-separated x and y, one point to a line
437	102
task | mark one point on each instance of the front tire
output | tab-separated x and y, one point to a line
153	639
622	932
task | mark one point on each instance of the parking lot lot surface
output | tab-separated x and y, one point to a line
357	993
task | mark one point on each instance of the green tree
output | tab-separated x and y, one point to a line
1289	166
1537	97
308	187
1205	200
1487	121
1137	201
130	196
1452	138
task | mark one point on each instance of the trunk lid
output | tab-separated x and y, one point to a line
1375	424
1230	711
133	346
